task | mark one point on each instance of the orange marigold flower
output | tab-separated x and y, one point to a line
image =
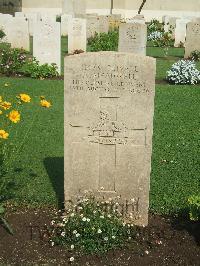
14	116
5	105
3	134
25	98
45	103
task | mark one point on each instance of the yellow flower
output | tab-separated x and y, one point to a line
6	84
25	98
45	103
14	116
3	134
5	105
1	112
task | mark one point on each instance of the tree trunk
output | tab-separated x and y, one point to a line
142	5
111	7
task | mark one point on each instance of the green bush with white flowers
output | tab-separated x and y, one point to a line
183	72
90	226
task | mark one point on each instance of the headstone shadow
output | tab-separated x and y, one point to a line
55	170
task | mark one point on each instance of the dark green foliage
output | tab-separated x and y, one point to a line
34	70
11	60
104	42
194	208
19	62
2	34
195	55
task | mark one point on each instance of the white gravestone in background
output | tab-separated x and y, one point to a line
180	31
132	38
19	14
47	43
109	106
65	19
192	38
18	33
103	24
77	35
92	26
33	19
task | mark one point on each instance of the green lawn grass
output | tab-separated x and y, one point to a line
38	167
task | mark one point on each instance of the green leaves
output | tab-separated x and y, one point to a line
2	210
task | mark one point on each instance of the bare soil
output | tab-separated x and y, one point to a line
166	241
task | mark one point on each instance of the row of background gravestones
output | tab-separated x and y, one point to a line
46	33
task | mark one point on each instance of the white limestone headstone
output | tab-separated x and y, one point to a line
77	35
132	38
103	24
19	14
65	19
109	106
192	38
18	33
92	26
47	43
33	19
180	32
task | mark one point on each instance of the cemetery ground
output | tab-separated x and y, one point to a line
37	173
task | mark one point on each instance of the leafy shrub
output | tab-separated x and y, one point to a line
195	55
155	25
90	227
2	34
104	41
194	208
165	41
11	60
183	72
32	69
155	35
19	62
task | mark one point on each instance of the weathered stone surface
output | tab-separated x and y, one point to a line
48	17
77	35
68	7
172	25
65	19
79	7
192	38
114	21
137	19
47	43
92	26
18	33
132	38
19	14
103	24
33	19
109	105
180	32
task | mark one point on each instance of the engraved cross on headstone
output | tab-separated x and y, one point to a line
109	132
